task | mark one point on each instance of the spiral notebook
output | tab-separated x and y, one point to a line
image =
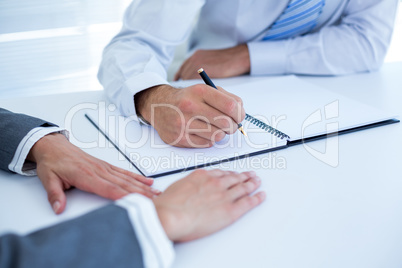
287	111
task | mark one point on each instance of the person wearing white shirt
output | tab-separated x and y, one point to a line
138	229
230	38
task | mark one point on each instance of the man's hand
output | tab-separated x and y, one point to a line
219	63
61	165
196	116
205	202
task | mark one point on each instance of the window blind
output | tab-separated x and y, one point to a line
49	46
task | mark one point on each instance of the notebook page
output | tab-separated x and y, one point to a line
301	109
143	146
287	103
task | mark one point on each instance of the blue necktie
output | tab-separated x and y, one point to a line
299	17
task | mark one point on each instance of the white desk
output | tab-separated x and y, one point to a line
314	215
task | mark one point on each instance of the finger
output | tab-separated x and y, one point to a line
188	71
224	103
237	98
131	175
217	173
114	191
143	190
245	204
194	141
235	179
205	130
55	193
196	107
128	184
105	188
215	117
184	69
177	76
244	188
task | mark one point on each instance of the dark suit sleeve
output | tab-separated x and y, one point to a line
13	128
102	238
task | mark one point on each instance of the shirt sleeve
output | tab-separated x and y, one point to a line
157	249
358	42
19	164
138	57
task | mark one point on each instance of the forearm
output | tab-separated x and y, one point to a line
137	58
126	70
358	43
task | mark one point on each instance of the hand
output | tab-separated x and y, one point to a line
195	116
219	63
205	202
61	165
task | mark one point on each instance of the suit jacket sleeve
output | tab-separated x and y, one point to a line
102	238
13	128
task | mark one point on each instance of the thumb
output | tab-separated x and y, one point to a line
55	193
176	76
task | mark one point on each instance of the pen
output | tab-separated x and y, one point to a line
209	82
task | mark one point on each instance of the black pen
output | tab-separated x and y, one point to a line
209	82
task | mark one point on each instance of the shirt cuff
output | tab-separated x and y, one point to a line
18	163
157	249
137	84
268	57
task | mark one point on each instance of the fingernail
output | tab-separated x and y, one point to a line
155	191
56	206
257	179
252	173
243	176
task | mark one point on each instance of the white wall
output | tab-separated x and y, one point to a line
49	46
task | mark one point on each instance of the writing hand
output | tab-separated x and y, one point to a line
219	63
196	116
61	165
205	202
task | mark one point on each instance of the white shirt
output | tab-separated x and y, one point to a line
157	249
18	163
351	36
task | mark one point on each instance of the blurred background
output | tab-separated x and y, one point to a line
49	47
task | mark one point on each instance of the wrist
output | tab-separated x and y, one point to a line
166	219
244	58
154	95
44	145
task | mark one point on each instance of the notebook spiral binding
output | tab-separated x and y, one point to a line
266	127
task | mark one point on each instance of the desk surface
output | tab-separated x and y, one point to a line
315	215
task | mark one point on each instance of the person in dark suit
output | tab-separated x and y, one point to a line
137	230
32	146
